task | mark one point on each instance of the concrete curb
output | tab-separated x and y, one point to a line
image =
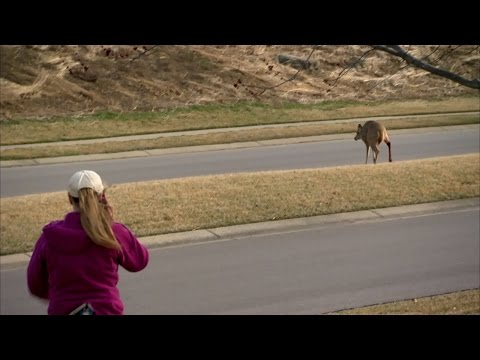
246	230
216	147
232	129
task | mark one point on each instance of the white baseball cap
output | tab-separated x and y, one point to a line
85	179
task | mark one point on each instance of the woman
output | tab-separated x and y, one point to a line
75	261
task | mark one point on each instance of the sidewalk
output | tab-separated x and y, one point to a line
219	130
278	226
215	147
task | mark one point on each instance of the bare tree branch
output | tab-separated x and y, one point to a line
288	80
445	54
248	86
403	68
346	70
397	50
388	77
475	48
433	52
133	59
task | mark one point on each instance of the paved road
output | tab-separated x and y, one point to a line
406	145
308	270
230	129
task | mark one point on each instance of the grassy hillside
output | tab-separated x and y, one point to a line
43	81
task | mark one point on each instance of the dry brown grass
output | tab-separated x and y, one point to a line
166	206
210	117
205	74
225	137
458	303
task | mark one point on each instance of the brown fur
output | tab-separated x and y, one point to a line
373	133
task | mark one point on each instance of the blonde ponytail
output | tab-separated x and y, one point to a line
96	219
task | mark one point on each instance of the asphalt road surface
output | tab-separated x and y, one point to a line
314	270
47	178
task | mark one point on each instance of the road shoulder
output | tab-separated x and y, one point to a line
279	226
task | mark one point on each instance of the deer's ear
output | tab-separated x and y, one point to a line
359	126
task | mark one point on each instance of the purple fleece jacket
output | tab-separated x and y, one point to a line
69	269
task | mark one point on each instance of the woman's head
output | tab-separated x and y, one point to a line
86	194
85	179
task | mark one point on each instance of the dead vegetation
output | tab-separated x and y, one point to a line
202	202
46	80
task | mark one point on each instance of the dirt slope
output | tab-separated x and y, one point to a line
46	80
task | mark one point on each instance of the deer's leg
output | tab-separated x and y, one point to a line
389	151
368	151
376	151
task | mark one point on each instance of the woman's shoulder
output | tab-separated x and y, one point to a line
121	229
52	224
71	219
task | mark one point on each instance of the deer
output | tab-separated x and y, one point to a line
373	133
